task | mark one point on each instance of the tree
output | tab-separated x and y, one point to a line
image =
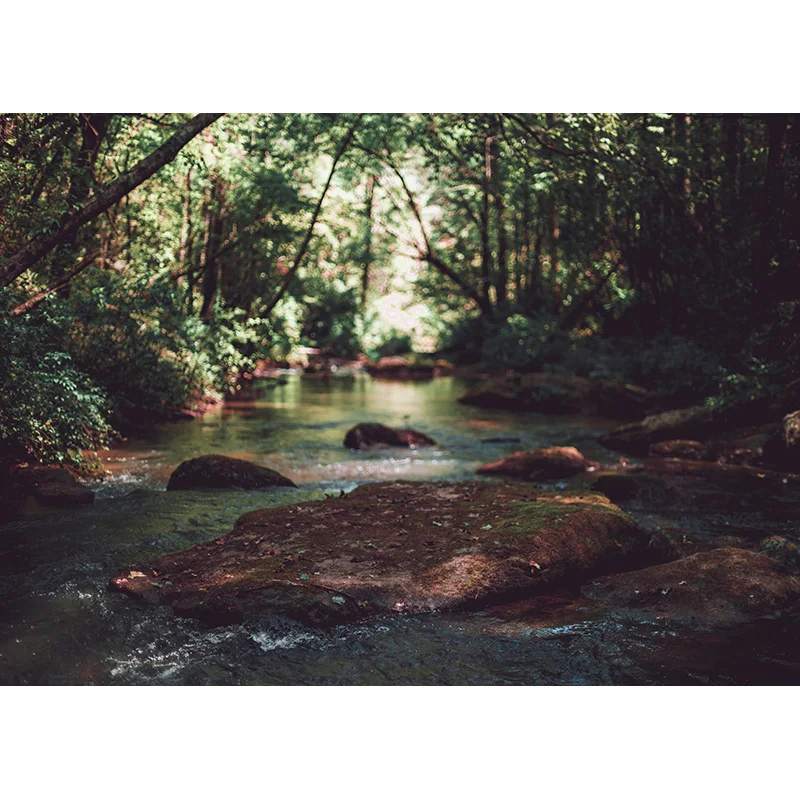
25	258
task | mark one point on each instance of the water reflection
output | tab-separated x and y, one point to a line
298	428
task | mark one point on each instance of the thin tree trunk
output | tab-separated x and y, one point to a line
486	247
186	225
682	122
496	182
298	259
366	261
773	193
211	269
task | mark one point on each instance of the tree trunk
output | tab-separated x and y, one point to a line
486	247
682	122
366	256
186	225
495	179
730	156
770	244
32	253
211	269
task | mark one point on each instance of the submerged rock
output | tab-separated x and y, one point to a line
547	393
716	588
223	472
543	464
373	434
400	546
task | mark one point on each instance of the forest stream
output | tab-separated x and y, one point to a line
59	624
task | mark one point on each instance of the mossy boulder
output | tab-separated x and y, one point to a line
223	472
546	463
399	546
719	587
367	435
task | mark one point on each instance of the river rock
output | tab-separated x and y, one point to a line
373	434
715	588
400	546
636	438
399	368
683	485
679	448
223	472
548	393
544	464
49	486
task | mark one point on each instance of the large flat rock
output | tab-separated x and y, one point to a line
399	546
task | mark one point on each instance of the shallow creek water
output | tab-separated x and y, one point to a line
59	624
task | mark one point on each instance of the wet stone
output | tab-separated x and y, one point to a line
223	472
367	435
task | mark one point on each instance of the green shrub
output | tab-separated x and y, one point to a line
50	411
153	359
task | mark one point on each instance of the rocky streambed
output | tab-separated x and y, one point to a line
553	565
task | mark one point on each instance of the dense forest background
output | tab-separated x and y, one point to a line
147	262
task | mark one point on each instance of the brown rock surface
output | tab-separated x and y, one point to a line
716	588
543	464
373	434
394	546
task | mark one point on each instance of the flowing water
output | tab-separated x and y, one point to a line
59	624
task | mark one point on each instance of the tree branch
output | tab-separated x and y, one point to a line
426	253
64	280
537	137
113	193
